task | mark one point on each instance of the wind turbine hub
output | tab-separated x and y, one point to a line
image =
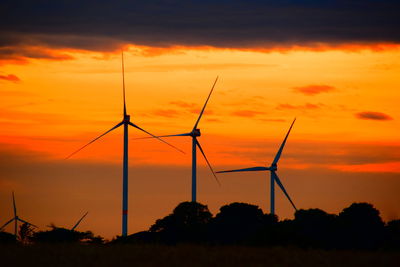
127	118
196	132
273	167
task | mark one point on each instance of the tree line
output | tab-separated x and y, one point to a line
358	226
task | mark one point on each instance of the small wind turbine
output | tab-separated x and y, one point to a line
274	177
15	219
76	225
126	122
195	143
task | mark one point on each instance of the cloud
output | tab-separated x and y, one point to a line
183	104
19	54
314	89
105	26
10	77
302	107
168	113
247	113
371	115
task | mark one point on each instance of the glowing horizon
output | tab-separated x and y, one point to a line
344	98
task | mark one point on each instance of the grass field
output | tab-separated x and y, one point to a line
188	255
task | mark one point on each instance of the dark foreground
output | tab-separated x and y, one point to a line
188	255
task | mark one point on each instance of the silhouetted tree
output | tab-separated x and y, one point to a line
237	222
314	228
187	223
7	238
61	235
360	226
393	234
26	232
266	233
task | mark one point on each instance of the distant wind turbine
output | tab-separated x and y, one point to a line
195	132
79	221
125	122
15	219
274	177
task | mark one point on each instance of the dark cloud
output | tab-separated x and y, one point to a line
10	77
371	115
314	89
104	26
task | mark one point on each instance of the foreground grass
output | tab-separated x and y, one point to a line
187	255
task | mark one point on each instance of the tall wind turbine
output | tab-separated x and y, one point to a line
195	132
76	225
274	177
126	122
15	219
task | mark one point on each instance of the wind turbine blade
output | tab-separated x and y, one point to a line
137	127
205	104
169	135
208	163
19	219
14	205
7	223
278	181
123	80
76	225
253	169
278	155
113	128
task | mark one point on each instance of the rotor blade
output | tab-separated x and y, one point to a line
169	135
278	155
123	80
137	127
278	181
19	219
253	169
113	128
208	163
205	104
15	206
7	223
76	225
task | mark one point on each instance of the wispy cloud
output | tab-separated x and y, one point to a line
169	113
305	106
314	89
10	77
183	104
372	115
247	113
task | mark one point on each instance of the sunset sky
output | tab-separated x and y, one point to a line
332	65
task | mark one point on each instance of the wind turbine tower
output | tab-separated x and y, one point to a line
273	176
126	122
16	218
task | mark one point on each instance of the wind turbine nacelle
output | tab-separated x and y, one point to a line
273	167
127	118
196	132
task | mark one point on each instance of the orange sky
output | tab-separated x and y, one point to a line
343	147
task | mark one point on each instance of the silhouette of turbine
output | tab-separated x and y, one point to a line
126	122
274	177
195	143
16	218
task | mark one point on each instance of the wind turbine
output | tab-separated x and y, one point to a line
194	133
274	177
126	122
76	225
15	219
